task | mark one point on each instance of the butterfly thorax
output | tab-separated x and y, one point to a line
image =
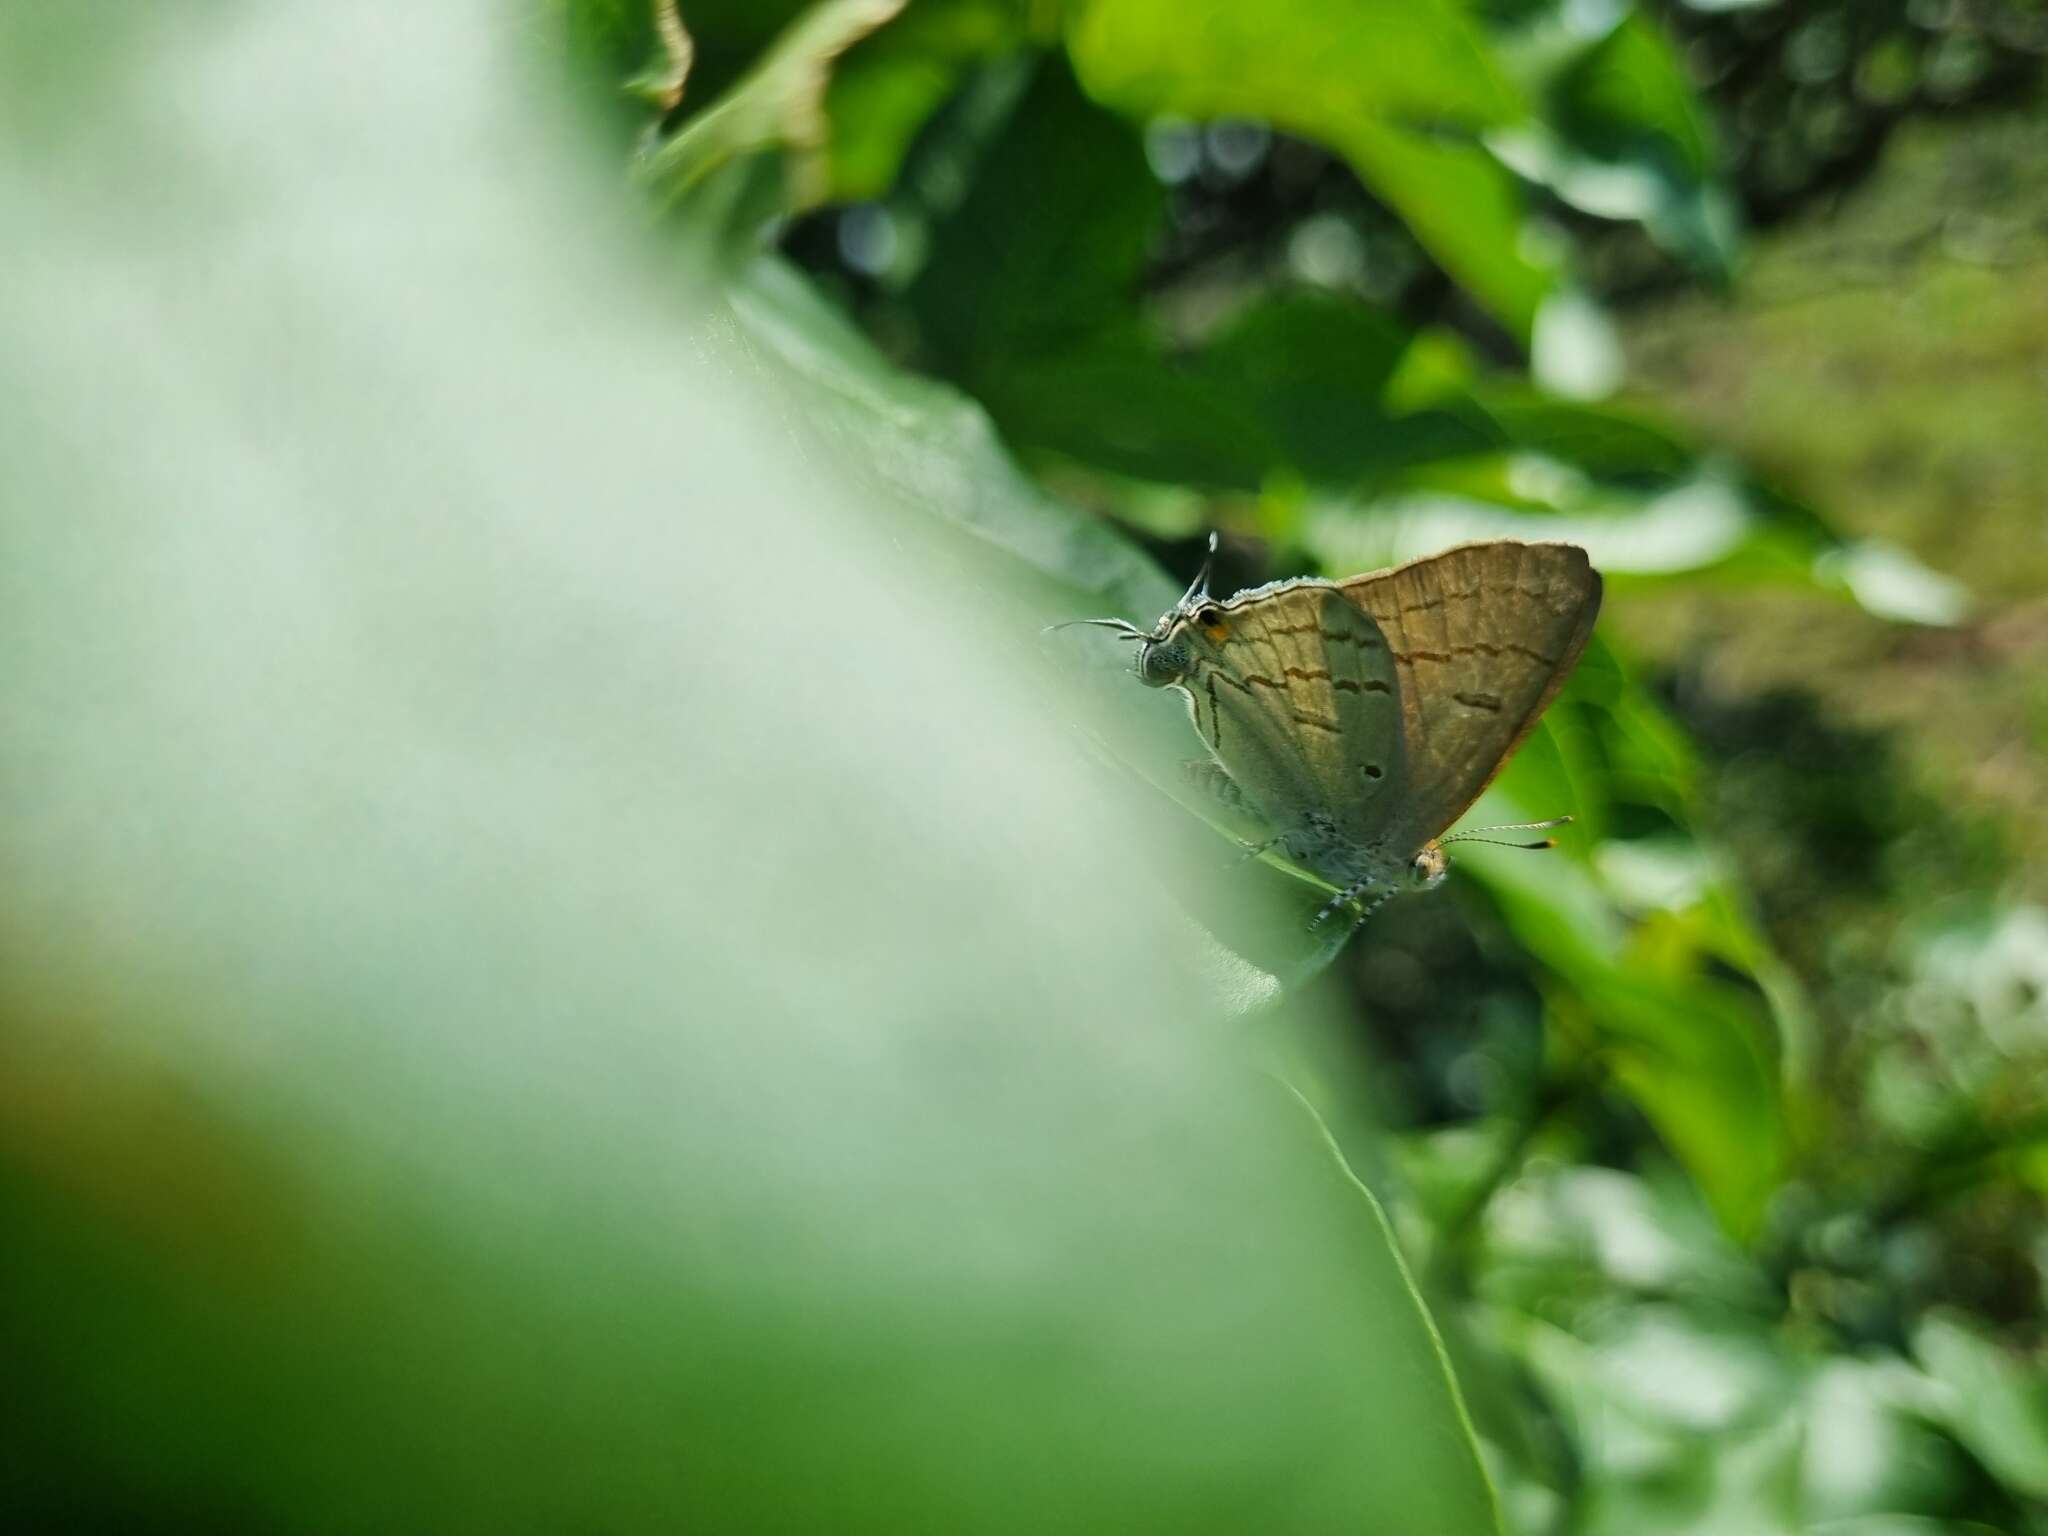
1319	844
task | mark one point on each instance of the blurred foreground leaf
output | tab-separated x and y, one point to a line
557	971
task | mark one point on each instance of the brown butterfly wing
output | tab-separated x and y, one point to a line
1295	693
1481	638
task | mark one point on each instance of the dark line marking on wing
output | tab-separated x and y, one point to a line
1534	592
1490	702
1341	684
1259	679
1362	641
1478	647
1539	594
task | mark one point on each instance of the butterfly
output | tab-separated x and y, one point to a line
1357	719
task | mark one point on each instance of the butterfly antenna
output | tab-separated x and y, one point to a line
1478	834
1123	627
1199	587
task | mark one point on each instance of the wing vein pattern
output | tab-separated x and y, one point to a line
1306	709
1480	639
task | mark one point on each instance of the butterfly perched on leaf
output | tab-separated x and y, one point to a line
1356	720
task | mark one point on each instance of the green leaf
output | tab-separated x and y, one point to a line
1399	89
556	945
1118	403
1687	1420
1627	95
1467	211
1437	1490
929	450
1695	1054
1296	386
837	98
1996	1406
1321	61
1644	504
1044	252
1869	1447
1622	135
1028	297
888	85
1638	985
610	41
778	106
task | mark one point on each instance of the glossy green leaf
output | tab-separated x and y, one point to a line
1328	61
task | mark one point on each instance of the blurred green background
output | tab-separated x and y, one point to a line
573	959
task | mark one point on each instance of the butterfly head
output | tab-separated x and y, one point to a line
1168	650
1183	631
1428	868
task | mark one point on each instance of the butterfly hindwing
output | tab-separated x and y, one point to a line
1480	638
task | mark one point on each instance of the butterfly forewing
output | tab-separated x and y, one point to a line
1298	700
1480	639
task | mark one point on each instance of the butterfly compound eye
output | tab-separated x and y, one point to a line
1162	663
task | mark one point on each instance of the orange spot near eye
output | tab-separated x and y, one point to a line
1217	633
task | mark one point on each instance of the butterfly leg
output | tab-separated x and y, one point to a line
1356	891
